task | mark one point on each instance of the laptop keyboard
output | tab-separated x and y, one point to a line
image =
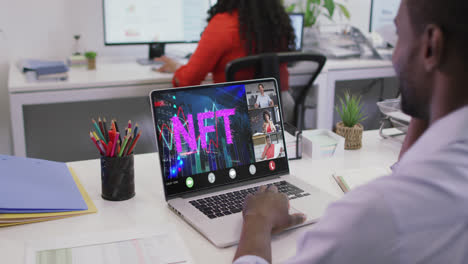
232	202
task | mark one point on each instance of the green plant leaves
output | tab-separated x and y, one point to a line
350	110
315	8
291	8
344	10
330	6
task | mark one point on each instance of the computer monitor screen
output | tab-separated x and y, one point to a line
297	22
153	21
383	12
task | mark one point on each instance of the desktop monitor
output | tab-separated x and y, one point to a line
383	12
154	22
297	22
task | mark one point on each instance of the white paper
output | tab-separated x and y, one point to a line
127	246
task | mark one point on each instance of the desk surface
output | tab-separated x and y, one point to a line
110	72
148	207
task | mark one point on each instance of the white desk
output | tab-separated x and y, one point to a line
128	79
149	208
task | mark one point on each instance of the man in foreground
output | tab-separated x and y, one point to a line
419	214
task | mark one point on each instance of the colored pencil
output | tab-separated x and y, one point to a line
129	127
135	131
123	146
98	130
109	148
95	143
129	141
101	127
116	136
106	134
130	150
117	129
95	135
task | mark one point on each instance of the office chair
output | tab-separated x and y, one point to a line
268	65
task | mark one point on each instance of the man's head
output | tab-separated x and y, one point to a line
260	88
432	45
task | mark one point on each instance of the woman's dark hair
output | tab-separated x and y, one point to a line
264	24
266	113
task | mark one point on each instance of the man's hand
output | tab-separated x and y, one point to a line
169	66
272	207
264	213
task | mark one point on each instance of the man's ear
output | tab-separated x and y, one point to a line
433	45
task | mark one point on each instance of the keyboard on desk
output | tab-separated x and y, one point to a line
232	202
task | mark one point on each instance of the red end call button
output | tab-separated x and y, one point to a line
272	165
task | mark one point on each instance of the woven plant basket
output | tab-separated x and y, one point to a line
92	64
352	135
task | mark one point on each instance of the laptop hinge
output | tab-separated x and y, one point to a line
226	187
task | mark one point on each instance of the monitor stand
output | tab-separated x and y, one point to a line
156	50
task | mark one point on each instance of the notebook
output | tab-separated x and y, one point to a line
350	179
37	186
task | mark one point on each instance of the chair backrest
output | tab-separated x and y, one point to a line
268	65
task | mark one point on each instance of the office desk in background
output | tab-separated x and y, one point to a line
148	207
47	116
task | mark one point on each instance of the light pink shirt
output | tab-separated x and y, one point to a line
419	214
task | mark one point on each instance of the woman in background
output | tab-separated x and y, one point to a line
268	126
236	28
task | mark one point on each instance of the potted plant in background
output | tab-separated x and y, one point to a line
312	10
91	57
351	116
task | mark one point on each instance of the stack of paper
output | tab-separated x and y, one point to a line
33	190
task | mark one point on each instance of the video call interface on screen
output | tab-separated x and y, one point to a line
210	136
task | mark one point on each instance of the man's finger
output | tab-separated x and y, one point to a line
272	188
262	188
296	219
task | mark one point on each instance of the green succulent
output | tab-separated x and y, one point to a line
350	110
315	8
90	54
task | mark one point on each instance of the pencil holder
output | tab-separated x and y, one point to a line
117	178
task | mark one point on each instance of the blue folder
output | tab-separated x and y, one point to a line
37	186
42	67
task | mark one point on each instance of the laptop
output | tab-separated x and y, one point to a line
217	143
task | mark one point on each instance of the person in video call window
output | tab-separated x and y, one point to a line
263	100
268	126
236	29
269	150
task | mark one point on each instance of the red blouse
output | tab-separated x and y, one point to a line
220	43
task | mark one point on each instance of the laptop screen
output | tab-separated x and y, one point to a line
214	135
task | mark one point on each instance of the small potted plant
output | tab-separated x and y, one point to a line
313	9
91	57
351	116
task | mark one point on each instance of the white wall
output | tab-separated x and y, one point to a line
45	29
